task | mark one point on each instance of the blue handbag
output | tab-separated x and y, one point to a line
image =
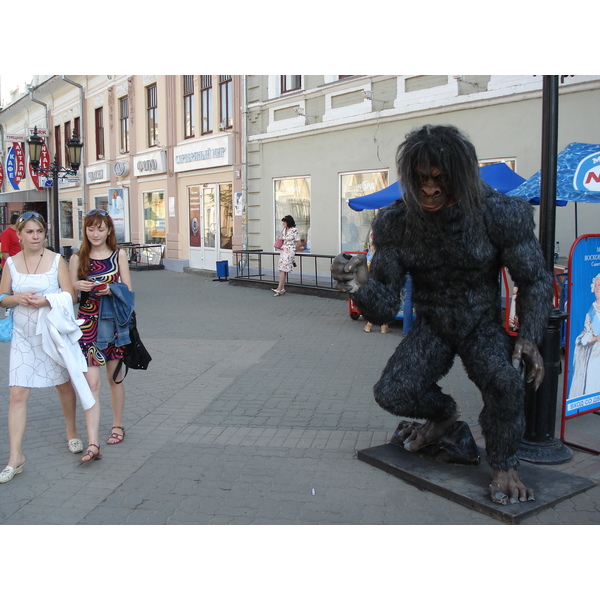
6	325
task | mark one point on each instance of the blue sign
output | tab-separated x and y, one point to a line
583	345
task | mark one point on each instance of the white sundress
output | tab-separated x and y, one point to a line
30	366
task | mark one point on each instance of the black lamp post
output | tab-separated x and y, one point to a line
54	171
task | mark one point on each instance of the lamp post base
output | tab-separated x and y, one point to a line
552	452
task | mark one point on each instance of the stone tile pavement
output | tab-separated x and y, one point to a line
251	412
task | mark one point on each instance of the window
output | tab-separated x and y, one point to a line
99	124
100	202
189	120
77	126
155	221
124	125
66	219
152	108
57	145
67	138
206	100
226	215
289	83
80	218
292	197
355	226
225	93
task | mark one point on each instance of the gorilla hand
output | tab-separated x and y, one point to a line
527	351
350	271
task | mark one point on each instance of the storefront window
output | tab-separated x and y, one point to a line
355	225
226	213
66	219
209	217
101	202
80	217
292	197
155	222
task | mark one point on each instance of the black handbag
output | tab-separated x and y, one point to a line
135	355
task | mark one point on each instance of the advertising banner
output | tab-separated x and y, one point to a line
15	165
40	180
582	360
116	210
194	199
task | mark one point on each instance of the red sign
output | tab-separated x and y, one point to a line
44	164
19	163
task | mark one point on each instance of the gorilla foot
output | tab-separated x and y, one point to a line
456	446
415	436
507	487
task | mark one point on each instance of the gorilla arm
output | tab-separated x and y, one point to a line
513	230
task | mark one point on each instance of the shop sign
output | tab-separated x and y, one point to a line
41	181
215	152
121	168
97	174
15	165
152	163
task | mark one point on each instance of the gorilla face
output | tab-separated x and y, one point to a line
433	190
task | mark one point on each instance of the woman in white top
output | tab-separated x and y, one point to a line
26	279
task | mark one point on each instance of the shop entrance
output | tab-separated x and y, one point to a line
211	225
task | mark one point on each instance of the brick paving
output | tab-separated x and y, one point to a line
251	413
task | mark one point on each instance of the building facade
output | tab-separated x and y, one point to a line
314	141
162	154
202	165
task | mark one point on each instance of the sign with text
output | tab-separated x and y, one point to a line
15	165
582	360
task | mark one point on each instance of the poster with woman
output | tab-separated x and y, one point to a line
583	338
116	209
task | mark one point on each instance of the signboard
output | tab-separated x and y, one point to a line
15	165
41	181
216	152
194	199
582	358
116	210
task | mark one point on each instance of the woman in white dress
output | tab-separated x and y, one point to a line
26	279
291	245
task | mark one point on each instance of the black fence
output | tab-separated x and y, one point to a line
312	271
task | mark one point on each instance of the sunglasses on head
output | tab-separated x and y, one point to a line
97	211
31	215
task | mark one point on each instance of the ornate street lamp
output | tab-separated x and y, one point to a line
54	171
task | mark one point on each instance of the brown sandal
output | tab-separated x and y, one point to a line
90	454
118	437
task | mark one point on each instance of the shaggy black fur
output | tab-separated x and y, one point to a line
454	258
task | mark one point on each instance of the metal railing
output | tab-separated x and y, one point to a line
312	270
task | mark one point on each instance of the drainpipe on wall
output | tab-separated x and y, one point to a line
81	133
244	166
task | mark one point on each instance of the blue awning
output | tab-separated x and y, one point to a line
577	177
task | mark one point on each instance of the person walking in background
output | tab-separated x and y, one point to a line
370	253
9	240
36	281
291	245
99	271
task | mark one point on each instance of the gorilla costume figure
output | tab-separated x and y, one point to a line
452	233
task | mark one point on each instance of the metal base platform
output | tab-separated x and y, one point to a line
468	485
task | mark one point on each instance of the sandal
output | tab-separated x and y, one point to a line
75	446
117	437
90	455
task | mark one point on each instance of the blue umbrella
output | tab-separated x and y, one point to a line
577	177
500	176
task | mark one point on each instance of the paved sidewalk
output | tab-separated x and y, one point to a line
251	413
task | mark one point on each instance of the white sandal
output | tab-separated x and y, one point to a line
9	472
75	446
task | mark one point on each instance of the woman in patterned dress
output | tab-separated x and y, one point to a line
291	245
98	263
26	279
